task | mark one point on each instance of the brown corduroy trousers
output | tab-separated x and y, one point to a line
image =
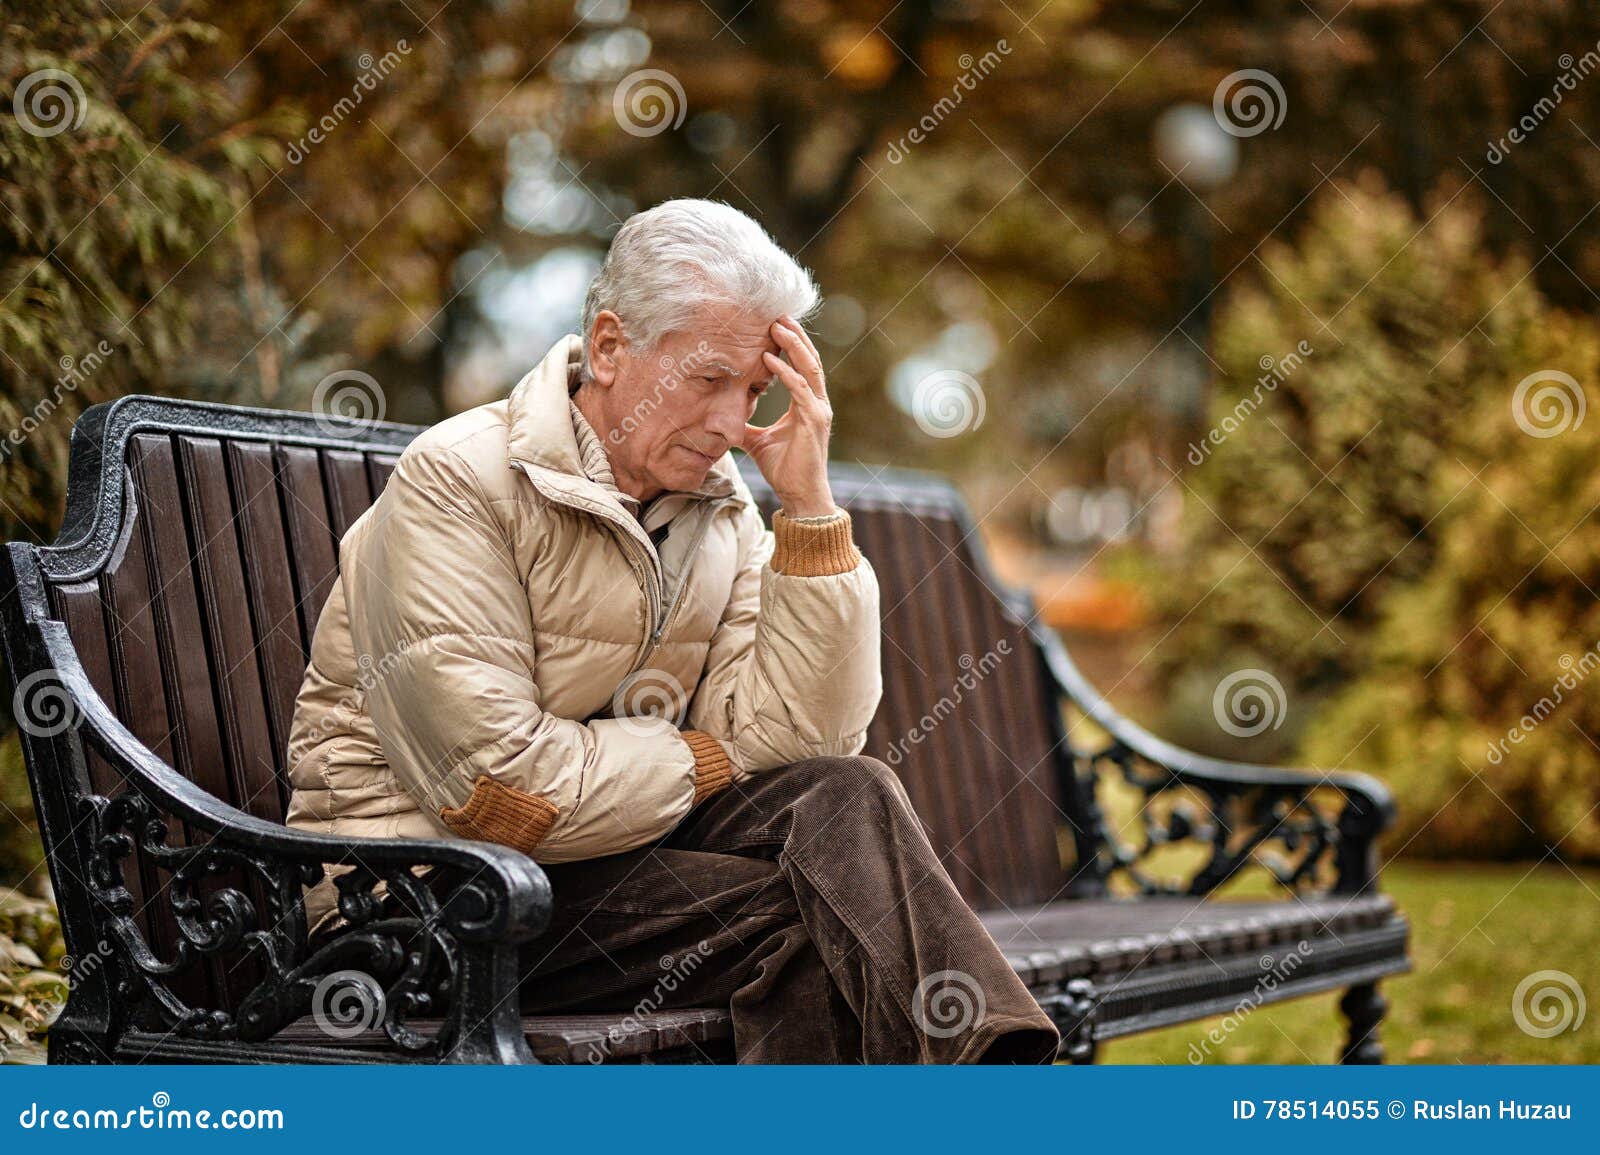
809	901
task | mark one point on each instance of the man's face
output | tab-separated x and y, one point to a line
671	411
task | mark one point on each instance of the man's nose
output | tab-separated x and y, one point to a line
726	417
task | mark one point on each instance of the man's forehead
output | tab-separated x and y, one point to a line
721	360
727	346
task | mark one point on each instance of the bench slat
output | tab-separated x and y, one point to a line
349	490
990	780
906	689
270	581
1015	712
310	531
982	777
943	758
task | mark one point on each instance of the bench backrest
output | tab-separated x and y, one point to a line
200	544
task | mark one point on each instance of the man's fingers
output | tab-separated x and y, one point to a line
802	353
805	339
800	391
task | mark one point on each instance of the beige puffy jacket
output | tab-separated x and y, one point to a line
507	654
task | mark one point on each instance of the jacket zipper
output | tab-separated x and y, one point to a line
671	612
647	569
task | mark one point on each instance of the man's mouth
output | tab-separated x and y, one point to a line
705	457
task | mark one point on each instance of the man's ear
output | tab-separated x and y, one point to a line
608	345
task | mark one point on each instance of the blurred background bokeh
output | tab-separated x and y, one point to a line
1258	335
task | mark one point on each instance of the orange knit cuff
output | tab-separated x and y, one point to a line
713	771
495	812
802	550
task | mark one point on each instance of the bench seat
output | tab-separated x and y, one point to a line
1156	962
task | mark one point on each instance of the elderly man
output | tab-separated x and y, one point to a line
563	627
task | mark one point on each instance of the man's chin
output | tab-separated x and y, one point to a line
684	480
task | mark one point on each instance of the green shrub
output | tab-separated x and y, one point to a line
1482	692
20	849
1377	530
32	988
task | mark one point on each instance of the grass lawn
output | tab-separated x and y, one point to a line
1476	931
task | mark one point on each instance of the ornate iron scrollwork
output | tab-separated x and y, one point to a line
397	959
1278	826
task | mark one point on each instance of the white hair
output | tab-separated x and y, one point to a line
668	263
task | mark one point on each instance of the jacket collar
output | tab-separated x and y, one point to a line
546	430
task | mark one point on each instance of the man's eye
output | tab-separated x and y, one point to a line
757	390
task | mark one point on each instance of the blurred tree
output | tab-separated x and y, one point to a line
236	198
1373	522
928	157
102	210
355	230
1343	371
1480	701
33	982
107	225
1020	197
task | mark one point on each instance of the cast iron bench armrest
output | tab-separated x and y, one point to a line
436	971
516	887
1368	809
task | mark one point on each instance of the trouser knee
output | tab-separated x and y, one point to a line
847	782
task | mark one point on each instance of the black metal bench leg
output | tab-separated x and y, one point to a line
1363	1009
66	1047
1074	1013
491	1021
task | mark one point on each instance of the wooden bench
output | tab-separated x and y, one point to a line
156	647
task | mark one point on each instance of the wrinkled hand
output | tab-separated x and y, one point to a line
792	452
